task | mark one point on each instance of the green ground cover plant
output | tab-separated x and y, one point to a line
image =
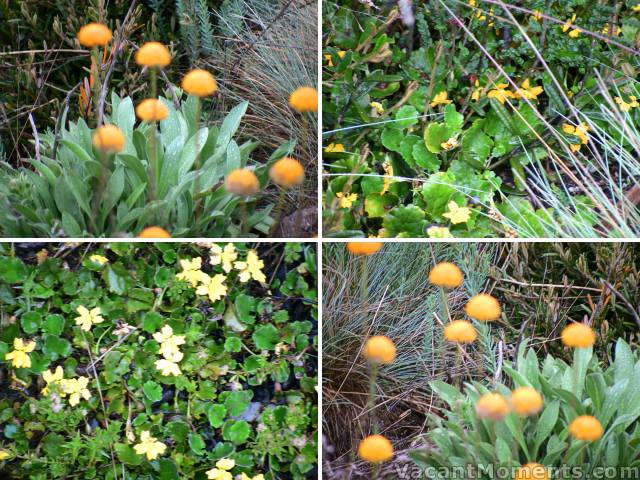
478	118
140	361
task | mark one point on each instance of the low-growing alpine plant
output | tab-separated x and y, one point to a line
140	361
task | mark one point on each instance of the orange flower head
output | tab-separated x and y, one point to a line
109	138
587	428
375	449
94	35
242	182
578	335
380	349
446	275
532	471
287	172
304	99
154	232
152	110
460	331
153	54
484	308
526	401
364	248
492	406
200	83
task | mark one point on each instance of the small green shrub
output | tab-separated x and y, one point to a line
460	438
79	193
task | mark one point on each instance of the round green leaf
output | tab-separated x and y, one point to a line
30	322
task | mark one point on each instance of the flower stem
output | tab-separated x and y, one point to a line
95	68
364	279
278	212
371	399
153	148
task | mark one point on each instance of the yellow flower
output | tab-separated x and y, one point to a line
242	182
329	58
191	271
388	178
636	8
52	378
88	317
483	307
532	471
378	107
586	428
477	92
460	331
526	401
287	172
334	148
218	474
149	446
364	248
304	99
574	33
446	275
214	287
225	256
607	30
251	268
527	91
346	201
375	449
4	454
380	349
200	83
578	335
441	98
450	144
226	463
624	106
94	35
109	138
473	3
439	232
153	54
76	388
152	110
19	356
154	232
537	14
99	259
579	131
492	406
457	214
169	343
170	367
501	93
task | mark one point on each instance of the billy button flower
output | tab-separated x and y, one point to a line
380	349
492	406
199	83
304	99
375	449
532	471
586	428
578	335
484	308
526	401
153	55
152	110
109	139
364	248
288	173
242	182
154	232
446	275
94	35
460	331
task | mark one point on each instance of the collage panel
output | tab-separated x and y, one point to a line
158	361
181	118
480	361
480	118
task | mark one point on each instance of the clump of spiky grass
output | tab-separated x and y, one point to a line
269	51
